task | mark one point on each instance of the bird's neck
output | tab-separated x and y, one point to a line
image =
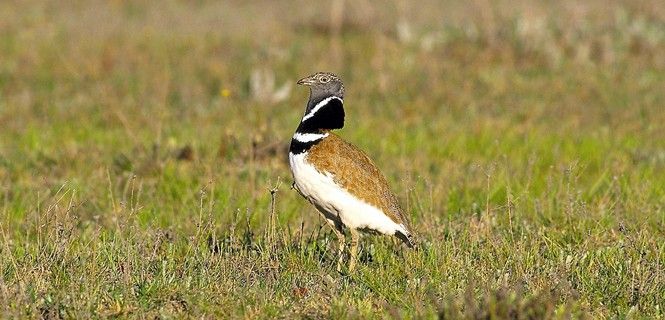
321	116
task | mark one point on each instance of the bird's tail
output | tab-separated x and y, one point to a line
407	238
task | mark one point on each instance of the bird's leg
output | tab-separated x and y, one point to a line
339	232
355	237
340	250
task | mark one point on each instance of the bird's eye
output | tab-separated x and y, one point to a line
324	79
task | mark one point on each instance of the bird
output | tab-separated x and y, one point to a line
339	179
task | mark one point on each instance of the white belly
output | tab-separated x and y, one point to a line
322	191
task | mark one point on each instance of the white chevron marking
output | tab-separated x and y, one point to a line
319	106
309	137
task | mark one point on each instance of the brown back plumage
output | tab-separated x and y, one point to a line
353	170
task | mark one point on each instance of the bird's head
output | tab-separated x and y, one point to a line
323	85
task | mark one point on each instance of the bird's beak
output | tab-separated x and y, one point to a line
308	81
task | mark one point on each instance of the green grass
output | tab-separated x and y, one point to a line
525	141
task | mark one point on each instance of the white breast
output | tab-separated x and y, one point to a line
320	189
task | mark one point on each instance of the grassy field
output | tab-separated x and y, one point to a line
140	142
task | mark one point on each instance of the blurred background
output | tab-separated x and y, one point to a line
148	88
491	120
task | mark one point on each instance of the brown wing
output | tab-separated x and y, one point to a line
355	171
